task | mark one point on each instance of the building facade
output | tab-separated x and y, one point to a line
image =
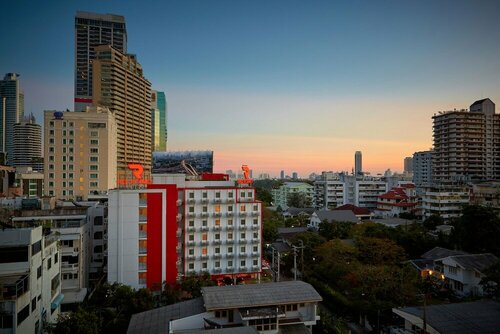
398	200
182	226
30	182
467	144
282	194
446	202
119	84
422	169
91	30
80	153
358	163
30	280
408	165
159	121
27	148
12	108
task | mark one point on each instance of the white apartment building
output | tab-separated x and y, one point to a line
74	233
422	169
333	190
446	202
281	194
30	280
181	226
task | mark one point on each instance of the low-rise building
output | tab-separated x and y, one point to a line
331	216
398	200
30	279
282	307
282	194
446	202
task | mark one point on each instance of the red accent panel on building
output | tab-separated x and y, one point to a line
83	100
155	237
214	177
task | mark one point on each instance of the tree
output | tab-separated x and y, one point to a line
376	251
81	321
491	281
477	230
298	200
431	222
333	230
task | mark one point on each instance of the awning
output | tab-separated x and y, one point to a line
57	301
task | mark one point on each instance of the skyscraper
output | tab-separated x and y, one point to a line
422	169
467	144
120	85
12	112
358	164
159	121
91	30
27	149
408	165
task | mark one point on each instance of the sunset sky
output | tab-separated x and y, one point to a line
293	85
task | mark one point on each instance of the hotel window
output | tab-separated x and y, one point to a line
217	194
204	251
230	208
71	141
217	264
217	236
70	176
250	194
71	124
217	222
243	208
205	209
242	194
230	194
93	176
51	184
191	209
71	133
217	208
51	150
191	237
51	140
94	150
94	159
51	124
70	167
64	184
230	249
191	223
71	184
217	250
191	195
191	251
94	167
230	222
94	142
255	235
51	158
255	262
230	236
243	263
255	249
242	235
204	194
94	185
204	237
51	132
64	158
191	266
255	207
71	150
204	265
64	124
229	263
255	221
243	249
204	223
64	175
242	222
64	167
94	133
64	141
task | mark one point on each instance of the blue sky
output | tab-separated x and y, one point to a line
291	85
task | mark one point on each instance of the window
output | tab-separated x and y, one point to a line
255	235
33	304
217	194
94	159
191	209
94	150
242	235
217	236
243	208
255	207
23	314
204	251
191	223
230	222
49	263
94	142
204	237
51	124
191	195
217	264
94	134
204	265
191	266
96	125
204	195
255	262
250	194
205	209
191	251
217	222
242	222
230	236
452	270
56	258
242	194
94	184
229	263
217	208
39	272
217	250
255	221
94	167
243	249
191	237
255	249
230	208
230	194
51	158
36	247
243	263
230	249
93	176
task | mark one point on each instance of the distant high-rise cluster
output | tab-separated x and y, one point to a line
12	112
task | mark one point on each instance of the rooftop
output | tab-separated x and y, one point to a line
477	262
239	296
440	252
337	215
461	318
355	209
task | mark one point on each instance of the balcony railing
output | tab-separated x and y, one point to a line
143	266
143	250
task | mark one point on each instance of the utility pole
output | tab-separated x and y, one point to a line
301	247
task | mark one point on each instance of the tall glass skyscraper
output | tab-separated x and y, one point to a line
159	121
91	30
12	112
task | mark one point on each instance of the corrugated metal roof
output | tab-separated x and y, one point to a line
237	296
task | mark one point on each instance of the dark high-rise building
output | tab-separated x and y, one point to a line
91	30
11	112
358	163
159	121
27	148
467	144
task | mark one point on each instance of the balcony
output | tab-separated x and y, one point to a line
190	201
143	235
191	243
204	200
216	228
217	242
143	250
243	214
217	255
229	227
230	200
204	228
191	229
143	218
255	227
191	257
229	214
143	266
204	215
217	214
13	287
190	214
70	251
69	267
217	200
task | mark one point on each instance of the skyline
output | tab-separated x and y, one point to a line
283	85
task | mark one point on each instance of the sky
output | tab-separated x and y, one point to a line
279	85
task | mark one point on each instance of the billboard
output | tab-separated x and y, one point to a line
172	162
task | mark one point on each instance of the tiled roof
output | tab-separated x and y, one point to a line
337	215
355	209
252	295
440	252
477	262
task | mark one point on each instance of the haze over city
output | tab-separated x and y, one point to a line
281	85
